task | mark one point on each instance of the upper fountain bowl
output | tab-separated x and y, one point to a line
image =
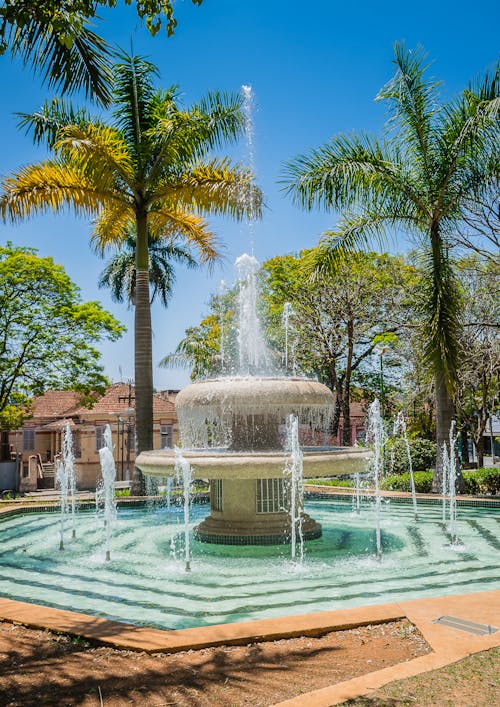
248	413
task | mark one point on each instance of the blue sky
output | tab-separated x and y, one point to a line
314	68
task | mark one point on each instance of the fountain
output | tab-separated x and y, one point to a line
233	432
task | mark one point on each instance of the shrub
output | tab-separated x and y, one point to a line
423	454
485	481
330	482
401	482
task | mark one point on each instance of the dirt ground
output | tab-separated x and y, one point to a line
42	668
472	682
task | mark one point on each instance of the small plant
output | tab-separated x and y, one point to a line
122	492
401	482
484	481
423	454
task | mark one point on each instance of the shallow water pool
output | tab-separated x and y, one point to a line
145	582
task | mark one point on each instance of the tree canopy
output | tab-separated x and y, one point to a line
54	36
48	334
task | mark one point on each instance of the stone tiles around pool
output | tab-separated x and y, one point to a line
448	644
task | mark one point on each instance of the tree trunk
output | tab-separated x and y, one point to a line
444	417
480	451
464	438
346	414
143	353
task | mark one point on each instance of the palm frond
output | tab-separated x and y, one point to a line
350	171
215	187
50	185
191	228
61	46
100	153
112	227
413	103
44	125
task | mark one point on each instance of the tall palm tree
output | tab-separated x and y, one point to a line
418	178
119	273
149	170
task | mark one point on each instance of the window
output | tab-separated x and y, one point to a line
270	495
166	436
77	444
99	437
216	495
28	440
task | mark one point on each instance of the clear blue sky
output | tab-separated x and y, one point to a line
315	69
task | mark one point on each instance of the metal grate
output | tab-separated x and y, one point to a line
463	625
216	494
269	495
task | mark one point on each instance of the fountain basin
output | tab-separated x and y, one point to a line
224	464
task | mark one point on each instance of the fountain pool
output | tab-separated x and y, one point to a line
145	582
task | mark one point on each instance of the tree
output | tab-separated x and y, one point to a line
48	333
417	179
149	170
119	273
339	323
478	389
54	36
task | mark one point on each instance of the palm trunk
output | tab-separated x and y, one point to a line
143	353
444	417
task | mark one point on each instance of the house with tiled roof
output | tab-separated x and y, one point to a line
38	444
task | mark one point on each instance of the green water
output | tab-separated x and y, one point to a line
145	582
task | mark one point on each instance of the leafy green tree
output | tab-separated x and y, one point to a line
54	36
478	389
417	179
48	334
337	324
119	273
149	171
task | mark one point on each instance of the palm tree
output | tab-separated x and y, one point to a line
119	273
148	170
417	179
55	38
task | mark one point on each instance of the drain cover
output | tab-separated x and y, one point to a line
463	625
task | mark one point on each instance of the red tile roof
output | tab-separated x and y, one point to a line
55	404
116	400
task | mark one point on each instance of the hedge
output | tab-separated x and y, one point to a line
480	482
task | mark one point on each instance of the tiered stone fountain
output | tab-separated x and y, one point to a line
232	433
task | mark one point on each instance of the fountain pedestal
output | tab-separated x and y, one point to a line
250	498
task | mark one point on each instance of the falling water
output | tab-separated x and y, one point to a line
444	480
108	485
253	354
183	470
400	428
169	492
62	481
357	495
249	137
69	465
294	472
376	435
287	312
222	291
452	482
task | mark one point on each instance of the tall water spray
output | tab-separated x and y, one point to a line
253	355
183	471
287	313
69	465
452	484
377	436
108	486
222	349
248	103
294	473
400	428
62	482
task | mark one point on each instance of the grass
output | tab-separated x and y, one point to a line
472	682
